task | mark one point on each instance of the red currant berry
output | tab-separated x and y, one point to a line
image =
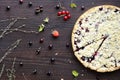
67	12
65	18
69	16
63	12
59	13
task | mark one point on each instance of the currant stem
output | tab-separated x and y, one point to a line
12	47
2	70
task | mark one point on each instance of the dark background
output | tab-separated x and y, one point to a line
65	61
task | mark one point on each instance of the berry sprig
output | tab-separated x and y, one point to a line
64	13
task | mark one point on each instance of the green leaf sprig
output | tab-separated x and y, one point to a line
72	4
75	73
41	27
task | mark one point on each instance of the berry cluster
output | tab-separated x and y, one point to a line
39	9
66	14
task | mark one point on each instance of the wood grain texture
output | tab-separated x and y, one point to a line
65	60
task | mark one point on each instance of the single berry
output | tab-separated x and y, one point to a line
20	1
37	10
67	44
57	6
38	51
21	64
52	60
50	46
41	40
55	33
30	43
82	7
63	12
41	10
59	13
83	58
48	73
65	18
116	10
67	12
30	4
8	8
34	71
101	8
69	16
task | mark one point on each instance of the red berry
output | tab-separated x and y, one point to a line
69	16
65	18
55	33
67	12
63	12
59	13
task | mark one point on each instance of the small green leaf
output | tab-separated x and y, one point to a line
73	5
41	27
46	20
75	73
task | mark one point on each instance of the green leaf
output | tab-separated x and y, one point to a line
46	20
41	27
75	73
73	5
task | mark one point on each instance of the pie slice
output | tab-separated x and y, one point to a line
96	38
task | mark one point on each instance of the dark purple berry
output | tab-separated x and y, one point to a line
21	64
86	30
20	1
8	8
30	4
80	22
50	46
57	6
52	60
34	71
41	10
37	12
38	51
82	47
67	44
30	43
101	8
82	7
48	73
41	40
83	58
116	10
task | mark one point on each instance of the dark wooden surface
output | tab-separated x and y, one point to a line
65	60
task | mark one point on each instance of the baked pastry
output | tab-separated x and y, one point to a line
96	38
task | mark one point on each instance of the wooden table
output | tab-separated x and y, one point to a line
65	61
